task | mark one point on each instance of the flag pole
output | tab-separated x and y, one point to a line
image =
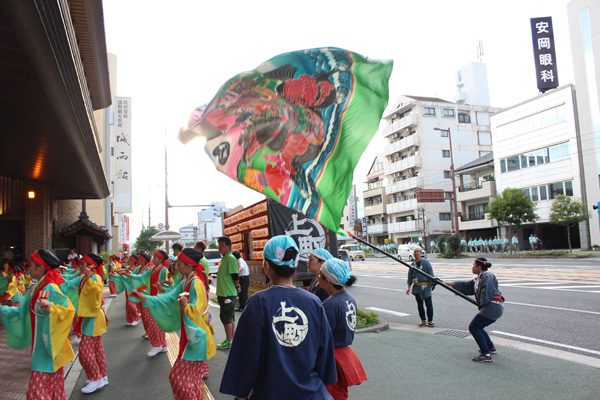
434	279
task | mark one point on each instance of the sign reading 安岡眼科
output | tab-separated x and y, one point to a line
544	53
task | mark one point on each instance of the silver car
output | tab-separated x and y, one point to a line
214	259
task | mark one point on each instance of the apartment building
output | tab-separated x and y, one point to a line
418	156
375	200
537	148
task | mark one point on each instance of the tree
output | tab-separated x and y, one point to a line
567	211
512	208
143	242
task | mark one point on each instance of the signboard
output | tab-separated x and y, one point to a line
544	53
306	232
121	173
352	207
123	229
431	196
364	227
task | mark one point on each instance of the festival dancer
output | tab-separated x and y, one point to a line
190	316
44	313
340	308
289	353
94	323
315	261
491	307
156	278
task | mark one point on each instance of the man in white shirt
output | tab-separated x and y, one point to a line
244	276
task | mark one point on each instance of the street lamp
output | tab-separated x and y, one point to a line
446	132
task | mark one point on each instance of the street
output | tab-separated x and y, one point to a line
549	302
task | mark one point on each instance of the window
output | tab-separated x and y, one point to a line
534	193
484	138
523	161
558	152
512	163
444	216
476	211
446	153
447	174
526	192
503	165
483	118
531	160
464	117
448	112
543	193
569	188
429	111
556	189
444	133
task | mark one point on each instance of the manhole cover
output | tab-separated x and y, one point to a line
454	332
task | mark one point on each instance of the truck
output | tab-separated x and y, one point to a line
251	227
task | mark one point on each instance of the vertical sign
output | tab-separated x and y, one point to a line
352	207
121	173
364	227
544	53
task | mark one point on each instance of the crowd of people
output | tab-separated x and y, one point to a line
489	245
285	331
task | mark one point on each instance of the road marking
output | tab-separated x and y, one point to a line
516	283
380	288
573	287
566	346
554	308
383	310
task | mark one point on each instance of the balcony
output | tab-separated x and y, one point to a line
401	165
401	206
406	184
377	228
409	120
477	222
373	192
376	209
406	226
486	190
401	144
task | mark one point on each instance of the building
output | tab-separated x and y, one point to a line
55	78
537	148
476	189
472	85
210	222
189	235
350	213
585	47
418	156
375	200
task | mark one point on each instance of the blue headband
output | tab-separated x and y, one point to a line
336	271
275	250
322	254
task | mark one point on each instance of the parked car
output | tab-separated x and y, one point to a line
343	255
405	251
354	252
214	259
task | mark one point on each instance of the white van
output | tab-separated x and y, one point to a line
405	251
354	252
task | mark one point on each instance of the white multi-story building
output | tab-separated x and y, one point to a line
189	235
375	201
210	222
417	156
585	46
472	85
537	148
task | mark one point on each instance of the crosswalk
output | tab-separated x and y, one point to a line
525	283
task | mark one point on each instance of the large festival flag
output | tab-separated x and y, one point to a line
295	127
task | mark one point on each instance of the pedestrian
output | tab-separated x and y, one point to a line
244	274
93	324
514	243
315	261
432	246
185	309
43	317
485	288
340	308
532	242
421	286
283	348
227	290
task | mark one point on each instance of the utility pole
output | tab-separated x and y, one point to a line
453	177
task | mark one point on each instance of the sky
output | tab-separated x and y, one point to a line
173	56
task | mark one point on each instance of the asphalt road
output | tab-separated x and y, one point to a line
554	303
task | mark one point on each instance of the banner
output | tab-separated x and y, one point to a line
544	53
121	173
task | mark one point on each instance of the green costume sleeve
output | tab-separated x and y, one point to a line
165	308
133	281
119	282
70	287
17	322
3	284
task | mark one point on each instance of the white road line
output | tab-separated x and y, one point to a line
383	310
573	287
565	346
380	288
512	284
553	308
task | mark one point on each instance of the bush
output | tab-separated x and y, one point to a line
104	255
453	247
365	319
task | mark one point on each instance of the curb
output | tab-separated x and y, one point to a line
380	327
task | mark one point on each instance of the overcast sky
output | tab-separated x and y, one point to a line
173	56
